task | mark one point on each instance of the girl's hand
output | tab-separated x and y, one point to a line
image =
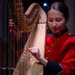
35	52
11	23
14	29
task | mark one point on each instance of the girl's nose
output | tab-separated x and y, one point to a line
54	24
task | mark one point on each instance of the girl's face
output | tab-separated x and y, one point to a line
56	21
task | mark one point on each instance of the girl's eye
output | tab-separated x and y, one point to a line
58	20
50	20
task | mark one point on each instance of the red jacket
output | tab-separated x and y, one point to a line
61	49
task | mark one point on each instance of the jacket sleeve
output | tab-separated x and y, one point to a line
52	68
68	62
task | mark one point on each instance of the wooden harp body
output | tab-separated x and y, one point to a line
33	21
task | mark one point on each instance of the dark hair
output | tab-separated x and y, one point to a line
60	6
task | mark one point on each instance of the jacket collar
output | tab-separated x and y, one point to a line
61	33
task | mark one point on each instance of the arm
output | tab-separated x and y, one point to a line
50	67
68	63
14	30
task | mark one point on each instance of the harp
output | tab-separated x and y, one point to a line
33	21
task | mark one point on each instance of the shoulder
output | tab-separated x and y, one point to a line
71	34
71	39
69	42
